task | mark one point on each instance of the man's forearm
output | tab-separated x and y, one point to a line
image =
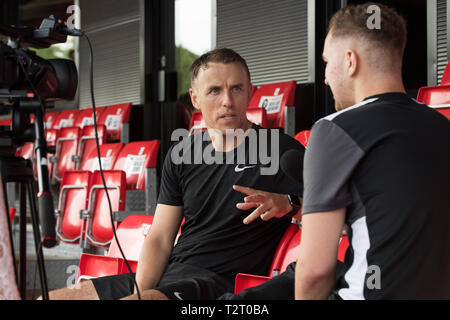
152	263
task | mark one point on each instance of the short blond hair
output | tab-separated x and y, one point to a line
351	21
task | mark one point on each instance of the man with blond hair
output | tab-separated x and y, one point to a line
379	166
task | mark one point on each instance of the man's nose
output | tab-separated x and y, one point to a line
227	99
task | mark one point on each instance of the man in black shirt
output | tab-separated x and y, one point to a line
203	181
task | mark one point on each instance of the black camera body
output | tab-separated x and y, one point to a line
53	79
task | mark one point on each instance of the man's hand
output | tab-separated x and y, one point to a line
268	205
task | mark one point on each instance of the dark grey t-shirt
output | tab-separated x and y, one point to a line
386	160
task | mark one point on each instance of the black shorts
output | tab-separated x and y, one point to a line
179	282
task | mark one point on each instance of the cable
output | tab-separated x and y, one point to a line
91	76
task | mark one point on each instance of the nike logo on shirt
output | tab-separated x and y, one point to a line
238	168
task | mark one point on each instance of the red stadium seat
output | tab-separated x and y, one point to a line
257	116
116	119
65	119
98	225
274	98
343	246
254	88
130	234
108	154
51	136
12	213
285	254
446	76
303	137
73	195
87	142
66	147
437	97
6	122
73	185
197	123
134	158
84	117
50	119
26	151
286	248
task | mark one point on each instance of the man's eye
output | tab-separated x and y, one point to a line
214	90
237	89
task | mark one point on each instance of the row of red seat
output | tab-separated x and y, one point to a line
83	213
72	134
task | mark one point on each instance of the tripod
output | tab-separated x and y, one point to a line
19	170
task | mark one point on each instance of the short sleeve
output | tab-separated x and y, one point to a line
170	192
330	159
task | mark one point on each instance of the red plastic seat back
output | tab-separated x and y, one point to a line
65	119
100	229
26	151
134	158
131	234
6	122
112	118
274	97
50	119
291	246
437	97
258	116
283	246
73	197
446	76
303	137
84	117
343	246
51	136
291	253
66	147
108	154
254	88
197	123
12	213
87	141
444	111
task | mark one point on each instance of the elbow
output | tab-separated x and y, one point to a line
315	275
313	282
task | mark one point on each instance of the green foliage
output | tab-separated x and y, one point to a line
57	51
183	61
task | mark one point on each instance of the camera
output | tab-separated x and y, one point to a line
21	69
28	83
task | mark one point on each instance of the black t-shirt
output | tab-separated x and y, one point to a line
386	160
213	235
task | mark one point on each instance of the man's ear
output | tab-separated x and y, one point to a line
351	62
194	98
